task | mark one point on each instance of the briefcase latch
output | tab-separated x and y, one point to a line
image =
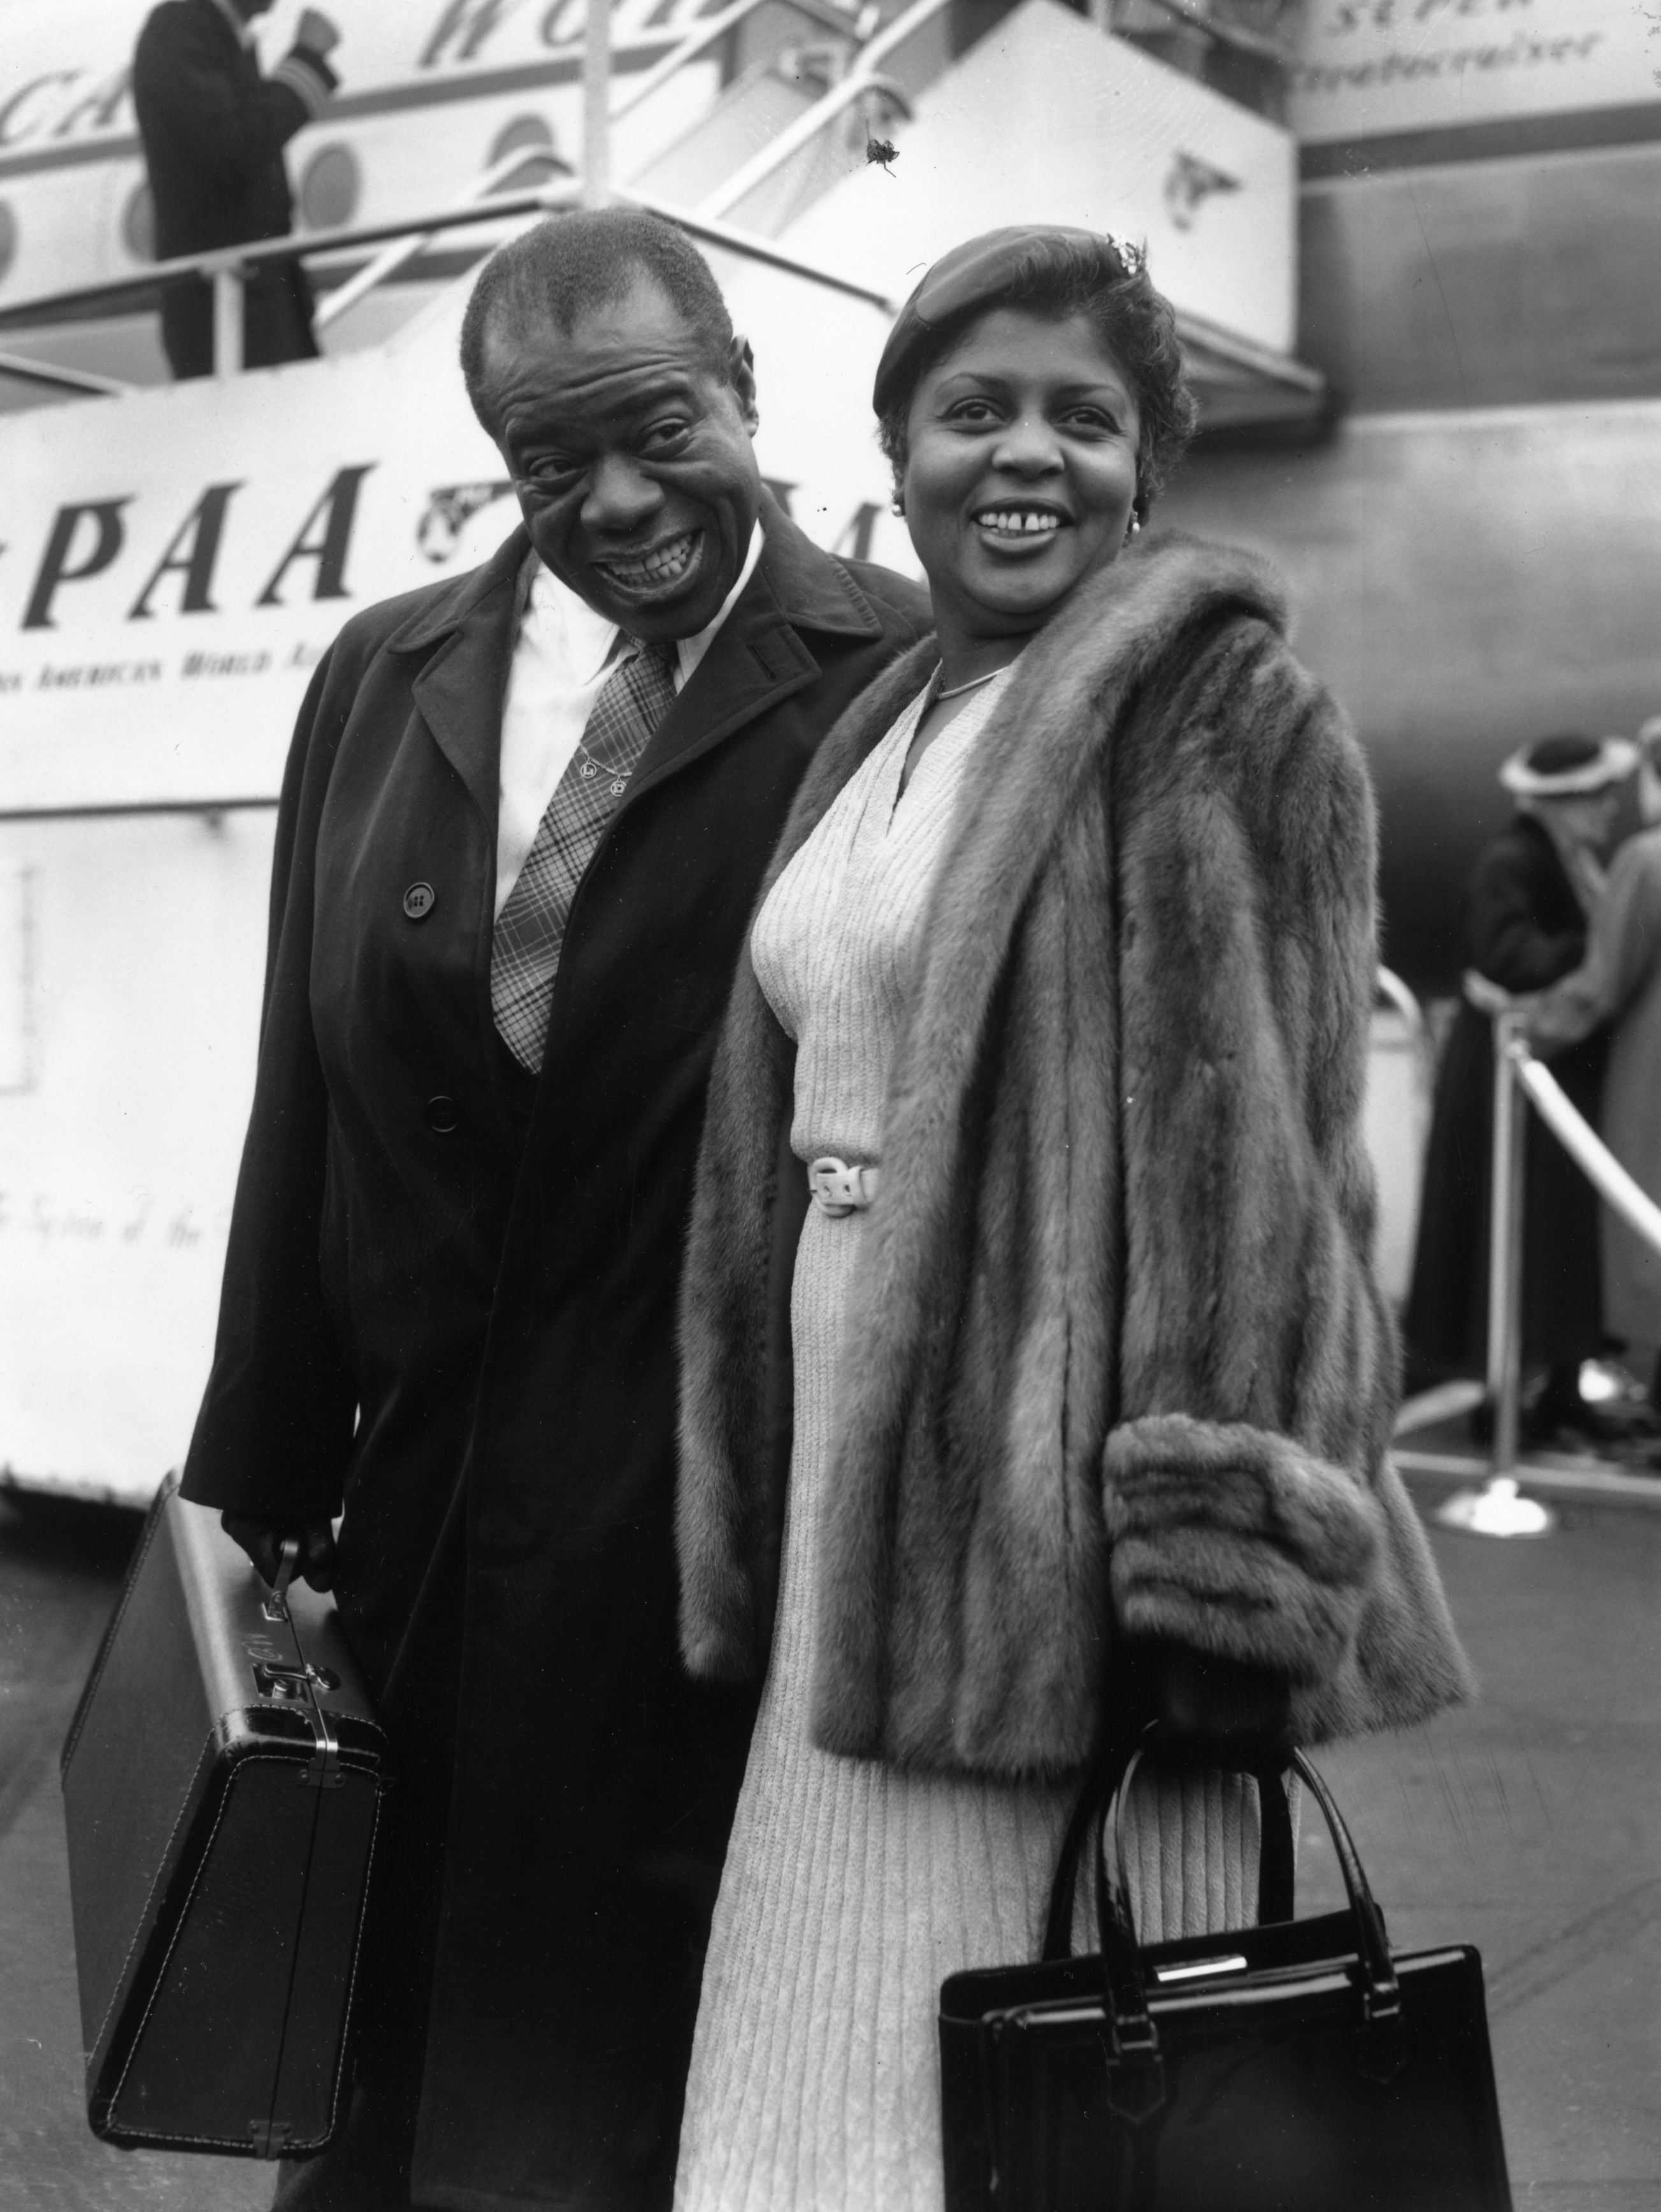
297	1687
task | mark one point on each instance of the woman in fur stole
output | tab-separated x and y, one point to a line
1065	1401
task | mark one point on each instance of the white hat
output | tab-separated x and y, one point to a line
1568	766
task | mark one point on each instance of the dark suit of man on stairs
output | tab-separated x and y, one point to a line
213	131
524	822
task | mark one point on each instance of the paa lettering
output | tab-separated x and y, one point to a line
89	536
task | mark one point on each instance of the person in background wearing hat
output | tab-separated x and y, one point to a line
1526	910
1036	1381
1619	982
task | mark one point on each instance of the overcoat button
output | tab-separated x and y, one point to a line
443	1115
419	901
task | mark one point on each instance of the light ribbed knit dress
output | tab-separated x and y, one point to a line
852	1888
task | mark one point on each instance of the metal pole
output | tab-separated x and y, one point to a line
228	320
1498	1510
596	106
1505	1361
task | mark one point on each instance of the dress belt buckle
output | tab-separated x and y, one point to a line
838	1188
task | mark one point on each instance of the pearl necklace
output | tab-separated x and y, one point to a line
974	684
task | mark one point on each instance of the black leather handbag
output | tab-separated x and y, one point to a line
1297	2066
223	1786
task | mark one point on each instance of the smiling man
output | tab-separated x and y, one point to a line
524	821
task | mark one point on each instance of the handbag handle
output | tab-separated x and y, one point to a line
1276	1858
1136	2082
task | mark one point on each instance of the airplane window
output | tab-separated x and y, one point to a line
530	135
330	188
138	224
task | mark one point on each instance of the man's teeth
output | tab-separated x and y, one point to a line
660	566
1024	521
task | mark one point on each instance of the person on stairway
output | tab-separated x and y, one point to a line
213	130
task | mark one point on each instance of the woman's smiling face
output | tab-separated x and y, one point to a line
1020	471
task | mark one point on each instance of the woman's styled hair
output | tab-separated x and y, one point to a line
1055	274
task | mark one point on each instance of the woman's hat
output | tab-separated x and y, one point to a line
1568	766
973	275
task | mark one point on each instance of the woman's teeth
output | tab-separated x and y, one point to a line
662	565
1019	521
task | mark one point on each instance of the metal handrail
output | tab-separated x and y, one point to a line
227	266
859	81
392	258
65	380
714	29
260	252
1188	12
865	77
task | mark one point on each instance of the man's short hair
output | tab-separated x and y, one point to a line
570	264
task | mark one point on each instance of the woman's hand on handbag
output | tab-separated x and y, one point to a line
1211	1710
263	1541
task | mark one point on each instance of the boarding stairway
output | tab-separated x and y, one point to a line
808	91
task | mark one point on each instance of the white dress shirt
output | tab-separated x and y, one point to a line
560	661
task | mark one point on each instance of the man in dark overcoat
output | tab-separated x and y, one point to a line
450	1293
1526	907
213	130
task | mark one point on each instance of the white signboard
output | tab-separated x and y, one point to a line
1370	67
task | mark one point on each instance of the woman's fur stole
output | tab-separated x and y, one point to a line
1117	1364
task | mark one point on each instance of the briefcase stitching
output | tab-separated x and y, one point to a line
143	1918
258	1759
357	1955
236	2143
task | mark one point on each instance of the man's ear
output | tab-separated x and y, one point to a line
741	375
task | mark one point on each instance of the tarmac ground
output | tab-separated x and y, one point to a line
1528	1824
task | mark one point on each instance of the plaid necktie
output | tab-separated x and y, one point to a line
531	927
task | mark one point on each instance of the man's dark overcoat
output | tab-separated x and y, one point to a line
481	1274
214	129
1524	927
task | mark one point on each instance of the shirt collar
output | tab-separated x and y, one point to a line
591	638
244	31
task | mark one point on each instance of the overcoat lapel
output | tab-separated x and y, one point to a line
459	691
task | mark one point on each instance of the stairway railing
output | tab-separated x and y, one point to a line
229	267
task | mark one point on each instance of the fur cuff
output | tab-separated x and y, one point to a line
1236	1539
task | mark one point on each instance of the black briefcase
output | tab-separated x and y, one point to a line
222	1783
1296	2066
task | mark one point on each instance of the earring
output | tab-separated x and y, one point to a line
897	505
1134	530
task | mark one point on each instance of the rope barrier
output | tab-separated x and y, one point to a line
1587	1150
1498	1509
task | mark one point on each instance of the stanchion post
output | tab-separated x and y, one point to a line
1498	1509
1504	1360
